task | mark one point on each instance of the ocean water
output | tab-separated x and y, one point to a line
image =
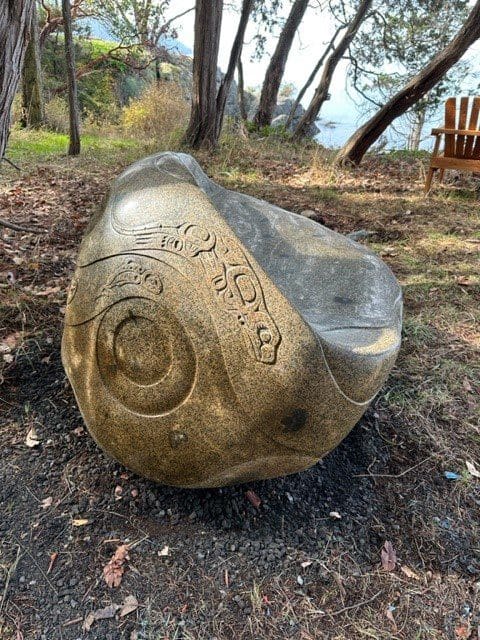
334	134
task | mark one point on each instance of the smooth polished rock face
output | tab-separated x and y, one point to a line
213	338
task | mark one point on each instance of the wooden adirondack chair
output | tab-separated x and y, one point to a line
462	142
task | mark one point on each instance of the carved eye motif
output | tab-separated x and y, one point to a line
145	358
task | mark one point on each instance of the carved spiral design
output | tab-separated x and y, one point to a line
145	358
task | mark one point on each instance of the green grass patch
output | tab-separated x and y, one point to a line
30	145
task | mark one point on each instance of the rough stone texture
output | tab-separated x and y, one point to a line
213	338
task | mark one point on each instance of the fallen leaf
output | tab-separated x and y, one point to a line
129	605
389	614
463	631
253	498
32	439
300	580
388	556
80	522
305	564
472	470
410	573
47	502
113	571
164	552
134	493
335	515
466	385
100	614
10	342
465	281
118	492
53	559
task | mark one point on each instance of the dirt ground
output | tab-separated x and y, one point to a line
297	557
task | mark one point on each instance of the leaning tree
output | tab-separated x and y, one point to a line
337	52
359	143
15	25
276	68
397	46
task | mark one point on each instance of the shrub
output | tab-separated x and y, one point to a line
161	112
56	115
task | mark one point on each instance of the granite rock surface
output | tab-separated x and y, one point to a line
213	338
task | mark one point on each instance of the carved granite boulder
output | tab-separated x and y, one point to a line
213	338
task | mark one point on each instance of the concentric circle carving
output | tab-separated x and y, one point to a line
145	358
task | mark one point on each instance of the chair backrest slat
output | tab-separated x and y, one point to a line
462	124
450	117
476	149
473	126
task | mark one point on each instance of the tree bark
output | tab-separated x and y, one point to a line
15	23
74	146
201	130
311	78
415	136
241	91
276	68
33	113
247	6
359	143
321	92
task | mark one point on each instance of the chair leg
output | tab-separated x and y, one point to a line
428	182
441	174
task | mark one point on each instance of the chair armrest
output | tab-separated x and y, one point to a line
459	132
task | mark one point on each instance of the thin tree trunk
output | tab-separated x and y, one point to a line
276	68
366	135
15	22
311	78
321	93
201	130
241	91
235	54
32	86
417	128
74	146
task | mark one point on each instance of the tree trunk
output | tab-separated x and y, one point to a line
74	146
321	92
241	91
276	68
201	130
366	135
15	22
235	54
311	78
417	128
32	86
